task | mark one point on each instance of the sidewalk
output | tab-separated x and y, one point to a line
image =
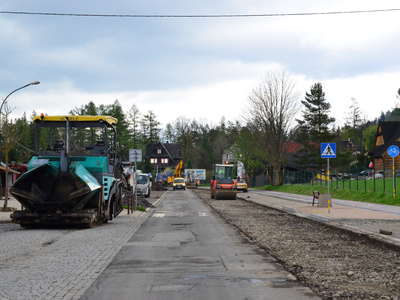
308	199
359	217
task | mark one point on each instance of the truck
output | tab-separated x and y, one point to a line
223	182
143	185
75	176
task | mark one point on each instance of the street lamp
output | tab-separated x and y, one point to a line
20	88
6	150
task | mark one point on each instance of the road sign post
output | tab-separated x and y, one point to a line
135	155
328	173
328	150
393	151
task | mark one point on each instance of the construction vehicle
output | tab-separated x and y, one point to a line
179	183
241	185
177	173
68	182
223	184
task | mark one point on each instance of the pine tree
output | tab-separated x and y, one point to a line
314	127
394	115
115	110
381	117
134	123
23	151
150	128
316	119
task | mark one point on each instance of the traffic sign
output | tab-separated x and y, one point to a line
393	151
135	155
328	150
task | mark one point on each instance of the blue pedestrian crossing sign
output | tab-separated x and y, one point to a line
328	150
393	151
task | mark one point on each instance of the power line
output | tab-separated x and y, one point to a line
386	10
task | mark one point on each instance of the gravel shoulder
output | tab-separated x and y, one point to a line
336	264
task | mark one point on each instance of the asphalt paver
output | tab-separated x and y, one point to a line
184	251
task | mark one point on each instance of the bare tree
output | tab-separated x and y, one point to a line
184	130
354	118
169	134
273	105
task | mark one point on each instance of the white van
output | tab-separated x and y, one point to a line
143	186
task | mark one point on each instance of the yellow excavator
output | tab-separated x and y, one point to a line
177	172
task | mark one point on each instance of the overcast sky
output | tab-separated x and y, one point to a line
197	68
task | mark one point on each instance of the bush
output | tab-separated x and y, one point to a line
140	208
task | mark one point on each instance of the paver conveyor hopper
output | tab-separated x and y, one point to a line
75	177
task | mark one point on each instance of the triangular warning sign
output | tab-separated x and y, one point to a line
328	151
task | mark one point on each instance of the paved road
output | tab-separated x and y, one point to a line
185	252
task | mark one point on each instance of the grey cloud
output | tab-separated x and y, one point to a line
110	55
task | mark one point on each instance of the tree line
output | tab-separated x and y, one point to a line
260	140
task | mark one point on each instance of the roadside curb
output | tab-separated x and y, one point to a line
6	222
389	241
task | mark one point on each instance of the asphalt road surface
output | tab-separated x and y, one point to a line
184	251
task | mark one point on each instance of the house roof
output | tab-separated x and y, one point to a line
170	150
390	131
292	147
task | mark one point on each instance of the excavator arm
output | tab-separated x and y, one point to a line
178	169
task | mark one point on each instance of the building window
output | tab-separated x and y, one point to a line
153	160
158	151
164	160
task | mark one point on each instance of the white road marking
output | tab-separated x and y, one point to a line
158	215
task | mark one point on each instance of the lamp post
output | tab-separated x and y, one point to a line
20	88
5	148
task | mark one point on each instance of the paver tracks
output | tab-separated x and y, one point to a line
334	263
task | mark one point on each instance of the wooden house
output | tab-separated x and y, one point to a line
387	134
163	155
